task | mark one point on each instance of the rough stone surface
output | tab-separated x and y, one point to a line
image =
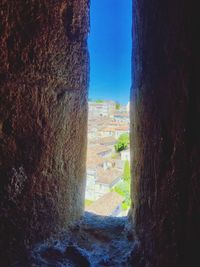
165	135
43	115
95	241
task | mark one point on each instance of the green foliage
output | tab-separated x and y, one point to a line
122	143
123	189
117	106
127	172
115	156
126	204
99	101
88	202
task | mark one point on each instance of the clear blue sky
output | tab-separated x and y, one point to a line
110	49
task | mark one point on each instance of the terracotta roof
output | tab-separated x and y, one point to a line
118	123
103	141
108	176
116	128
97	149
105	205
94	161
120	114
107	140
122	128
108	129
99	120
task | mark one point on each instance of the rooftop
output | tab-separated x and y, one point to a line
108	129
122	128
105	205
120	114
97	149
108	176
93	161
107	140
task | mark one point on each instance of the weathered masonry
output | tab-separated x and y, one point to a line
44	74
43	114
166	132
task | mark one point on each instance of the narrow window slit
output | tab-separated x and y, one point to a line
108	153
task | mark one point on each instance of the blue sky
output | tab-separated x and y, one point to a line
110	49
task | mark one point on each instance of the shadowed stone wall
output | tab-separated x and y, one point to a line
43	113
165	132
43	118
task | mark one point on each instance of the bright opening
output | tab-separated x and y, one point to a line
108	155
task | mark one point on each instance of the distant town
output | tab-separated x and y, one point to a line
108	159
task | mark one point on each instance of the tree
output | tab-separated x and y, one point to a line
127	171
99	101
122	143
123	189
117	106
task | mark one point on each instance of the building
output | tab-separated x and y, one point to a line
100	150
95	125
100	181
121	130
121	117
108	205
106	180
128	107
104	172
97	159
108	132
118	164
125	155
108	141
104	109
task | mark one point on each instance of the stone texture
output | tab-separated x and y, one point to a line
43	115
165	112
95	241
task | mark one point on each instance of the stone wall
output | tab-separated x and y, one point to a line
165	110
43	118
